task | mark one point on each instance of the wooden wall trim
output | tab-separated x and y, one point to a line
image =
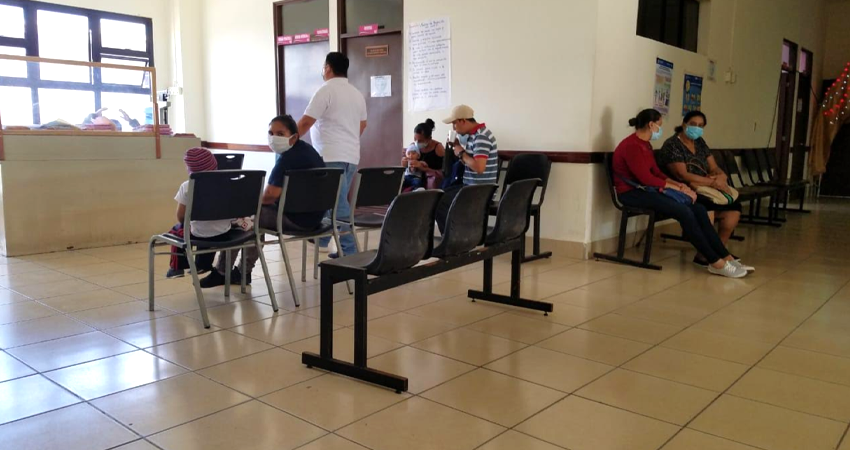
236	147
560	157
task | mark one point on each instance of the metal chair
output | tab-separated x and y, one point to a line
229	161
306	191
627	213
752	193
218	195
373	188
527	166
767	162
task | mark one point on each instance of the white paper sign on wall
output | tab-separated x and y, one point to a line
382	86
429	65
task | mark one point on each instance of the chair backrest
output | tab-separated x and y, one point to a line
407	236
225	194
527	166
720	159
512	218
310	190
751	165
229	161
765	164
609	177
466	224
377	186
733	171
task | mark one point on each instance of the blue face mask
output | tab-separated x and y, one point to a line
693	133
463	139
422	145
656	135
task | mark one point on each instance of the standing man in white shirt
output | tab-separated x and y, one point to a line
336	118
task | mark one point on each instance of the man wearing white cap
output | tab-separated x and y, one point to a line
476	147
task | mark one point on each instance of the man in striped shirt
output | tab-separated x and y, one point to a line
475	146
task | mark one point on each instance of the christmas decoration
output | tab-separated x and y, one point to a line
834	113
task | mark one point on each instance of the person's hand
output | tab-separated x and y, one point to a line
124	115
690	193
459	150
404	161
100	111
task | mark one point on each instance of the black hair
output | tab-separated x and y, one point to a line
288	122
338	63
425	129
688	118
644	118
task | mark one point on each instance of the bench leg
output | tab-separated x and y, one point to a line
360	321
514	299
536	255
621	249
650	232
151	278
325	360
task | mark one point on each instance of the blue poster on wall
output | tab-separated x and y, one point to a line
692	100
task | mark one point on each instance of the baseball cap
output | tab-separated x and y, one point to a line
460	112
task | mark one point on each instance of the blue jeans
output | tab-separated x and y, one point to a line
343	209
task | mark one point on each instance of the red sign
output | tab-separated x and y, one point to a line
284	40
301	38
323	32
369	29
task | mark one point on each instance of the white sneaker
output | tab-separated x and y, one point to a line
729	270
743	266
331	248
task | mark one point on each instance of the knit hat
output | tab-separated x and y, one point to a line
199	160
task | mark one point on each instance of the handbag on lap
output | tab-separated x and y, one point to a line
717	196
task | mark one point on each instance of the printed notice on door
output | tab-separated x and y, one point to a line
430	65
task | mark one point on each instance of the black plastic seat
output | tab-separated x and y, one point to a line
373	187
466	224
526	166
627	212
749	192
406	236
229	161
217	195
304	192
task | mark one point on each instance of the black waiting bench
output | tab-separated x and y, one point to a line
408	252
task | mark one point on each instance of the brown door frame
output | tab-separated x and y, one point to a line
804	109
279	60
785	123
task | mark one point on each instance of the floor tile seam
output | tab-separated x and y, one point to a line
514	429
70	313
709	434
123	324
786	408
684	425
845	437
737	380
337	435
45	372
189	369
612	369
204	416
769	369
681	383
53	339
133	442
401	400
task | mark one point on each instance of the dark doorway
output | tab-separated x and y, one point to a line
787	102
803	107
836	181
381	143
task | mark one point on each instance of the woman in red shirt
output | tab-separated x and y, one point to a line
641	184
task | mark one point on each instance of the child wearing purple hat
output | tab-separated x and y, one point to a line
197	160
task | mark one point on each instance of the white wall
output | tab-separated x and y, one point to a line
837	40
528	74
744	35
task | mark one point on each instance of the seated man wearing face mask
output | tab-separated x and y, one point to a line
293	154
477	150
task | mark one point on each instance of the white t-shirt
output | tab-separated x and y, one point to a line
338	108
202	228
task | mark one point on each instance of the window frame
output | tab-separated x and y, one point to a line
96	52
680	32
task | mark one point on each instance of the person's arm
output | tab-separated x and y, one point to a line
305	124
480	155
640	164
181	212
440	149
680	171
719	176
362	127
271	194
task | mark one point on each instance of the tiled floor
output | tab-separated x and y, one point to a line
630	359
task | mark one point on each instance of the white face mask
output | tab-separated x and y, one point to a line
280	144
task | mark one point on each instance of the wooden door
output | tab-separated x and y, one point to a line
378	56
787	107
